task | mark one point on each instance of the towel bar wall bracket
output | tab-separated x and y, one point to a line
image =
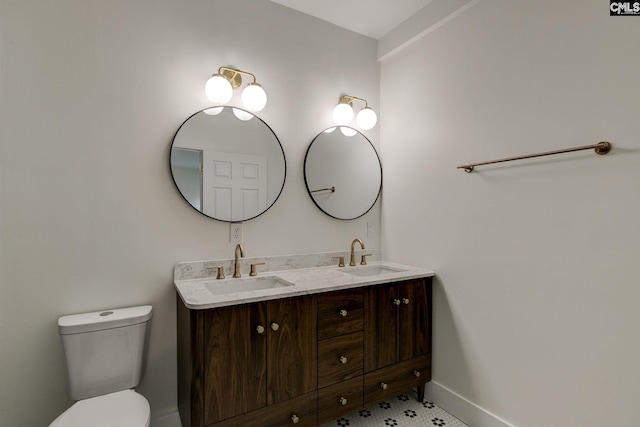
600	148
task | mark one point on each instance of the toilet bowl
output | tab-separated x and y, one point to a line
122	409
105	353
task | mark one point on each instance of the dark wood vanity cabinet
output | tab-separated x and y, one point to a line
234	361
302	360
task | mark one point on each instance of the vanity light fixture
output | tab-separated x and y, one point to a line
343	113
219	89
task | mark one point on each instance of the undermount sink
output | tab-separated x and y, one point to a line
371	270
230	286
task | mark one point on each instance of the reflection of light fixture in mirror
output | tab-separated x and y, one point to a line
242	115
213	111
330	130
219	89
343	113
346	131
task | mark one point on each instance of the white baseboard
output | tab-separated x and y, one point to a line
167	420
462	408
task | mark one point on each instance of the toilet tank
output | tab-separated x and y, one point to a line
105	350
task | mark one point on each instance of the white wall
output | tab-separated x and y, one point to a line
536	301
91	94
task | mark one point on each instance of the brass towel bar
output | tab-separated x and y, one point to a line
600	148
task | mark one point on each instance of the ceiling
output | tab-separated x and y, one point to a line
373	18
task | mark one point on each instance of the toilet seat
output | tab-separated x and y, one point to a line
123	409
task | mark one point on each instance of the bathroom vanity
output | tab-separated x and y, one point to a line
314	344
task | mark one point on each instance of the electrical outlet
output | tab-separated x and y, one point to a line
371	231
235	232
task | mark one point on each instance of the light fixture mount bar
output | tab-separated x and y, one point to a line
348	99
234	76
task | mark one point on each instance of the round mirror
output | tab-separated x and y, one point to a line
228	164
343	173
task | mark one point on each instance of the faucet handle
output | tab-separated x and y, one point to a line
220	271
253	268
340	260
363	259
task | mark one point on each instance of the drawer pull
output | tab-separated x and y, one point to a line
343	360
260	329
416	374
405	301
275	326
343	401
295	419
343	313
384	386
396	301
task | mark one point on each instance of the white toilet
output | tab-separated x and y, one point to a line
105	354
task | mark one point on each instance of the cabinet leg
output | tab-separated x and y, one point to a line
421	393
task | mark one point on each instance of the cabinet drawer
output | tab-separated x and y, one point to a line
303	407
340	313
397	378
339	359
339	399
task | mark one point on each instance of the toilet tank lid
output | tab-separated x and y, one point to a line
105	319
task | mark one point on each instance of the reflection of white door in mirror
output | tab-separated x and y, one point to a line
234	185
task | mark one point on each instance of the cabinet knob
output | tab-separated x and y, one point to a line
396	301
343	313
405	301
384	386
416	374
343	359
275	326
343	401
295	419
260	329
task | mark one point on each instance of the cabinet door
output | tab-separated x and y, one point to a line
234	361
413	320
380	326
292	348
396	326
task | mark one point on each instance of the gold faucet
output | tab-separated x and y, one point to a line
352	260
236	264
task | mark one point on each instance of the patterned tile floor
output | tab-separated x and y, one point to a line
403	410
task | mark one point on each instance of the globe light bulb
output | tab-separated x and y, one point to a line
218	89
366	118
347	131
242	115
254	98
342	114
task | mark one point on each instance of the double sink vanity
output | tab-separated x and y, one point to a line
298	339
301	339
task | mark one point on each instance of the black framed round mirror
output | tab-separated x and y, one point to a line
228	164
343	173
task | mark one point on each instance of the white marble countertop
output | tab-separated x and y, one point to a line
194	289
